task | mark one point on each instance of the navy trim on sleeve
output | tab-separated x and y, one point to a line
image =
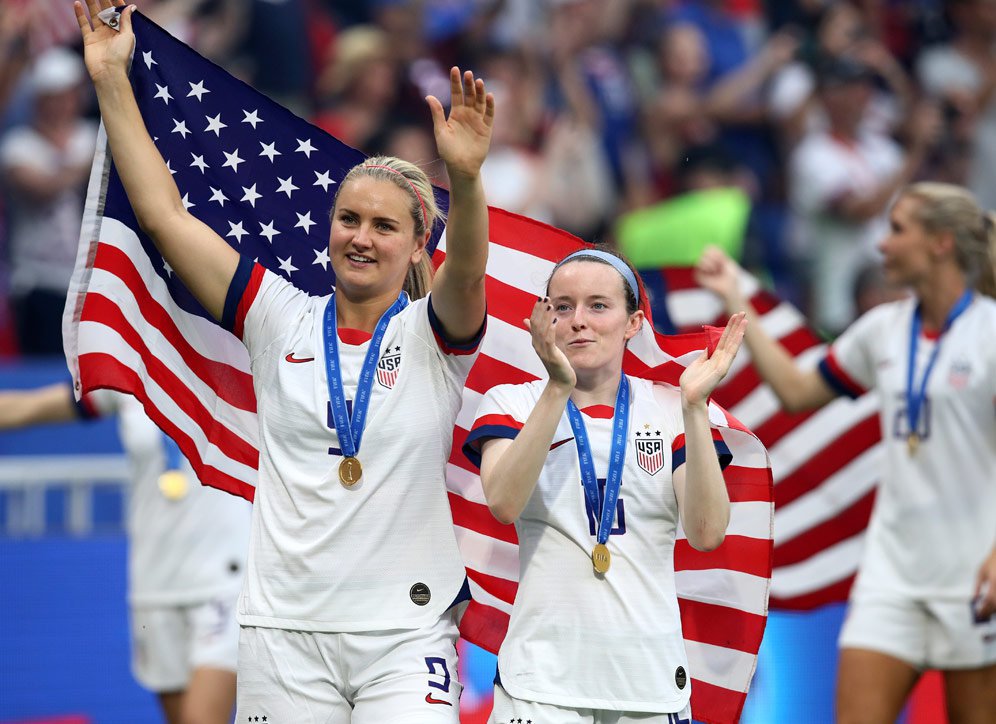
448	345
472	445
722	452
240	280
835	383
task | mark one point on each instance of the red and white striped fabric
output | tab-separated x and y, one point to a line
825	463
131	326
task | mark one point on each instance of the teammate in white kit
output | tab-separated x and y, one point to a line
926	591
596	469
186	556
354	579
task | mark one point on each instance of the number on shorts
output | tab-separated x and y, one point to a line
431	662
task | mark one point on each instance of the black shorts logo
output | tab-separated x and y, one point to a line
419	594
680	677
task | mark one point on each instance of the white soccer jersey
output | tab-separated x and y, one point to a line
184	549
381	554
576	639
935	514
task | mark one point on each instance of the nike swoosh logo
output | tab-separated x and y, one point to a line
430	700
298	360
562	442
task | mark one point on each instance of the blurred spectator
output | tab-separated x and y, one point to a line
724	38
43	169
13	49
213	27
841	32
871	289
841	181
358	87
277	50
962	74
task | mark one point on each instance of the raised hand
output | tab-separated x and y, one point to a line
104	49
718	273
463	138
702	376
542	326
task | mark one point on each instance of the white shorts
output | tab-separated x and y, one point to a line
401	676
925	634
509	710
170	642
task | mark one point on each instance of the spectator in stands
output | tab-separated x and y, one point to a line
358	88
841	181
962	75
43	169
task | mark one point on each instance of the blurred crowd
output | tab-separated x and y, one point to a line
819	110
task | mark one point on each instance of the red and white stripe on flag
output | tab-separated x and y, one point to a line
825	463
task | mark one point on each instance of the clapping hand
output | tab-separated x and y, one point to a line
702	376
542	325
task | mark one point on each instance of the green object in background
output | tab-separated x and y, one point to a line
674	232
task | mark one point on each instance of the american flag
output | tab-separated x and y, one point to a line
826	463
264	180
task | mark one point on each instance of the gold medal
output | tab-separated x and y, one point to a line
173	485
913	442
600	558
350	471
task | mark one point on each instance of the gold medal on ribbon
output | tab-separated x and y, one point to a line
601	558
913	443
350	472
173	485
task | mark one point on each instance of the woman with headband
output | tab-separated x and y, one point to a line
925	595
596	468
354	581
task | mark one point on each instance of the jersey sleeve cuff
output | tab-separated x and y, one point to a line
838	380
242	292
455	348
678	455
486	428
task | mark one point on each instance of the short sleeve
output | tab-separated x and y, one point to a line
259	305
497	416
448	347
849	366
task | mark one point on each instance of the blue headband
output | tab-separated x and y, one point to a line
614	261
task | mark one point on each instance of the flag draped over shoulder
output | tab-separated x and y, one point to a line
264	179
826	463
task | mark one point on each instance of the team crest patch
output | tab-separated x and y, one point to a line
388	367
960	374
649	452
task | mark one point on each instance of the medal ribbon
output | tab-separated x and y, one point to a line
350	431
915	397
617	456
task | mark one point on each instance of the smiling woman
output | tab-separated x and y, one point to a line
597	511
338	595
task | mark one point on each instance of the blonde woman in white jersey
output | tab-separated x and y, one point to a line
926	590
596	468
354	578
186	556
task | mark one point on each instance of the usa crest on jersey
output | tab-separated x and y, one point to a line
388	367
649	453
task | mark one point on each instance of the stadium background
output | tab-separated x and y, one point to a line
609	108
